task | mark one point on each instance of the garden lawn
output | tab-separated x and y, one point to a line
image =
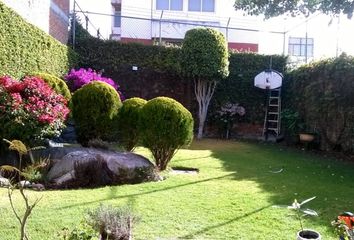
230	198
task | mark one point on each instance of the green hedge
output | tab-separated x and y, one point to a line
111	56
25	49
322	93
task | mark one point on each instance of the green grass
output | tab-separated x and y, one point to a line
230	198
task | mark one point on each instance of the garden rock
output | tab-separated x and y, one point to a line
25	184
83	167
4	182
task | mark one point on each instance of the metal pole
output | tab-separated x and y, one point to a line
160	41
305	44
74	24
227	30
284	43
86	19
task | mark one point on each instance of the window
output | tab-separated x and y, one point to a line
300	47
117	18
201	5
174	5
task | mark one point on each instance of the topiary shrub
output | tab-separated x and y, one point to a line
128	120
165	126
57	84
95	105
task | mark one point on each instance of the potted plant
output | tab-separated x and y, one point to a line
303	234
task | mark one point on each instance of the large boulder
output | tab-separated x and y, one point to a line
87	167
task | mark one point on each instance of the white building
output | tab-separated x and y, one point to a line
154	21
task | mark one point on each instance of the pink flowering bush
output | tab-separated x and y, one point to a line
30	110
78	78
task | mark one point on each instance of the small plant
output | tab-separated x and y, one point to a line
299	213
36	171
228	114
21	149
81	232
111	223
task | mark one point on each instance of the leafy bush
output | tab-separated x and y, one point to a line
26	49
57	84
165	126
112	223
30	110
95	106
78	78
128	121
322	93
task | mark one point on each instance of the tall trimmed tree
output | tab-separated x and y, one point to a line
205	60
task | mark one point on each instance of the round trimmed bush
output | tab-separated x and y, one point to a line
57	84
95	105
165	127
128	120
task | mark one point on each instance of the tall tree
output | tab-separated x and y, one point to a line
205	60
278	7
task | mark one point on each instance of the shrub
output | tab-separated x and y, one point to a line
112	223
30	110
128	120
95	105
57	84
25	48
165	126
78	78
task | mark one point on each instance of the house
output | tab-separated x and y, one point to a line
51	16
153	21
166	21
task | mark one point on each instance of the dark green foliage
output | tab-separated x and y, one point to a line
95	105
25	48
128	120
279	7
165	126
239	87
57	84
205	55
113	56
323	95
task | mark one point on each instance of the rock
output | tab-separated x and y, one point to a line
82	167
4	182
38	187
25	184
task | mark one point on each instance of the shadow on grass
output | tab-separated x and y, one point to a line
113	195
303	175
208	228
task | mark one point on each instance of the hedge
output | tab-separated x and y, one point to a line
322	93
25	48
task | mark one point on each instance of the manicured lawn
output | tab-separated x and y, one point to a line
230	198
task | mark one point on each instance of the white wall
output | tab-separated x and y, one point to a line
35	12
103	23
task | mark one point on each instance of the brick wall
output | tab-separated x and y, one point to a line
59	20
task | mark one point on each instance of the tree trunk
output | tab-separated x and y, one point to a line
204	91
